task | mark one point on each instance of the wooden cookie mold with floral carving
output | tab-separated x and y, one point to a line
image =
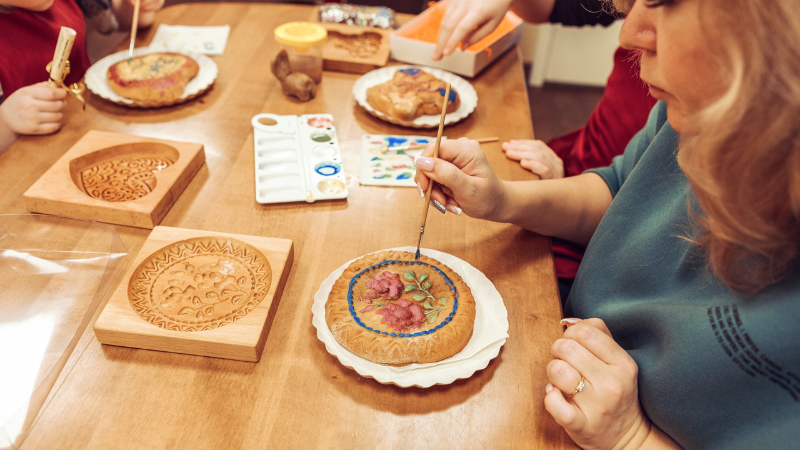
200	293
116	178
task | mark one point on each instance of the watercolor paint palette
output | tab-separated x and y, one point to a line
389	160
297	158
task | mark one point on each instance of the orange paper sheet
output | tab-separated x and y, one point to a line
426	29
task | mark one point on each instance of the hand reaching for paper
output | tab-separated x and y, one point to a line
467	22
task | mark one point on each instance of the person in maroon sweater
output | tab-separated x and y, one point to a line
30	31
621	112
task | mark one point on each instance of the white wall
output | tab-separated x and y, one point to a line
570	55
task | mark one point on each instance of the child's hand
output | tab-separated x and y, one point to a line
34	109
606	412
535	156
465	179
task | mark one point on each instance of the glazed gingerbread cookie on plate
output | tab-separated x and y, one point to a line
411	93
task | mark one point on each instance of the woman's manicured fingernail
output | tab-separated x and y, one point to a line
454	209
548	388
423	163
419	188
568	322
439	206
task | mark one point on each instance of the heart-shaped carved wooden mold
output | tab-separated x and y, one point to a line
122	173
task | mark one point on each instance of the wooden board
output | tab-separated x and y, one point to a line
355	49
116	178
200	293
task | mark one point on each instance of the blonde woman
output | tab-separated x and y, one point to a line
690	288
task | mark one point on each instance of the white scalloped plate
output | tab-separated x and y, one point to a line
469	98
425	375
96	79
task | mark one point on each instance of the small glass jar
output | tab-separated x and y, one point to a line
303	43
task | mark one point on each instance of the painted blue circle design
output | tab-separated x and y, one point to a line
448	283
328	169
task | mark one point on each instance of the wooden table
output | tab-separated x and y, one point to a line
299	396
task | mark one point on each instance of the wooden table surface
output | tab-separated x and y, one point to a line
298	395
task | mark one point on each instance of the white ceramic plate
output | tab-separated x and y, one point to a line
469	98
429	374
96	78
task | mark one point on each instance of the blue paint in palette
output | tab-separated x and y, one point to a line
328	169
404	176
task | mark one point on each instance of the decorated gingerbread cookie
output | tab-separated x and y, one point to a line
392	309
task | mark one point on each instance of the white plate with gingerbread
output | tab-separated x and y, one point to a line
412	96
152	79
410	322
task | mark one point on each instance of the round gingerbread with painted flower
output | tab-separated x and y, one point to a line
392	309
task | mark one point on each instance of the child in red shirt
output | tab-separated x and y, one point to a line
27	43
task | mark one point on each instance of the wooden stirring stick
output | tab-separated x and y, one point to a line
134	26
430	182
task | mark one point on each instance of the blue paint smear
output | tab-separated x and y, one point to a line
421	141
411	71
452	98
392	141
375	159
404	176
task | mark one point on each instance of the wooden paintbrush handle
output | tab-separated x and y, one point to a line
436	153
134	27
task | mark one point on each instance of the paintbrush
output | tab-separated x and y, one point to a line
430	182
134	26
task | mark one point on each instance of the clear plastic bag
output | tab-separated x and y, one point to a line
54	272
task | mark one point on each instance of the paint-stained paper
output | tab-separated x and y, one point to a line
389	160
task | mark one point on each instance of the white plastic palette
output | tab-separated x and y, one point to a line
297	159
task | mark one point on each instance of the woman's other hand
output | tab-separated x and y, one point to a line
606	413
465	180
35	109
535	156
467	22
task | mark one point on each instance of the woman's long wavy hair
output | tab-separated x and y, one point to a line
744	164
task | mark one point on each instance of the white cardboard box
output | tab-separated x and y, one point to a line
409	46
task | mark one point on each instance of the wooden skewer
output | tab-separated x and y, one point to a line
487	140
134	26
66	37
435	155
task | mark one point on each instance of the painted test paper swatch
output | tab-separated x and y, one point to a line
389	160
